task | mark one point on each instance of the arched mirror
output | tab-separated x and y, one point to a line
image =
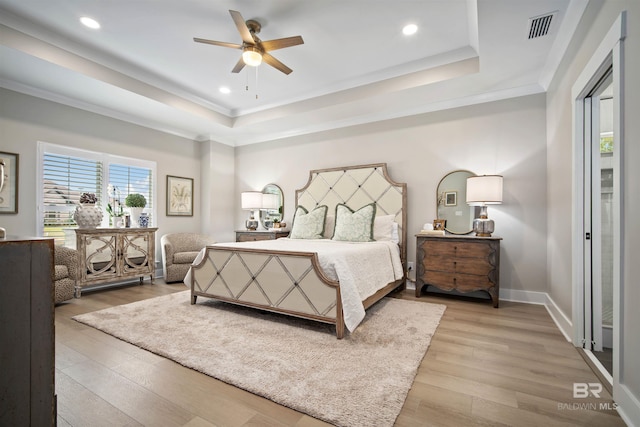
452	202
272	206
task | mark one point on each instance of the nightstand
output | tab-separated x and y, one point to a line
252	236
460	263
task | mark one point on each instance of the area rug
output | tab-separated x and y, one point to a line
361	380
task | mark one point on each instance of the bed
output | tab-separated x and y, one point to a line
318	278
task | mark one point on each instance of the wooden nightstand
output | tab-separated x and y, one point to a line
461	263
252	236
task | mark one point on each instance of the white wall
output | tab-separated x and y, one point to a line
598	19
504	137
25	120
218	180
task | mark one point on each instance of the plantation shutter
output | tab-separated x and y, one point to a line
65	178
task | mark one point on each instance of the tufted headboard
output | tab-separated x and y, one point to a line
357	186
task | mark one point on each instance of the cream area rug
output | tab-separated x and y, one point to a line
361	380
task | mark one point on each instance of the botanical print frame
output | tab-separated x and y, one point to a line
9	163
450	198
179	196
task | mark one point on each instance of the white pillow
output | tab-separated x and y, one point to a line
329	226
308	225
383	227
395	236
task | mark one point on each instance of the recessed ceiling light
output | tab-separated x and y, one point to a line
409	29
224	89
90	22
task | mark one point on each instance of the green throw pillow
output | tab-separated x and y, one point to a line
308	225
354	226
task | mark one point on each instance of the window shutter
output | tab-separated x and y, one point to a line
65	178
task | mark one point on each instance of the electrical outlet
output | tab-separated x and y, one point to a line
409	266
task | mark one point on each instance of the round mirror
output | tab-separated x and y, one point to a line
452	202
272	206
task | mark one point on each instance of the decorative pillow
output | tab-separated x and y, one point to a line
354	226
383	227
308	225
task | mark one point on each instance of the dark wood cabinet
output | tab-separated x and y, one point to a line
460	263
252	236
27	341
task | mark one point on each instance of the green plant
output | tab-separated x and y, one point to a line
118	211
135	200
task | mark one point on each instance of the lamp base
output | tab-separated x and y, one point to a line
251	224
483	227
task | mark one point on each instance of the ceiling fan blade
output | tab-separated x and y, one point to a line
239	66
216	43
275	63
281	43
242	27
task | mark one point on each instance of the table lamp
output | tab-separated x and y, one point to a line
482	191
252	201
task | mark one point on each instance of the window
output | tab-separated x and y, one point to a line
68	172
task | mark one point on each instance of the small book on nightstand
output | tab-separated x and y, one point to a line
431	233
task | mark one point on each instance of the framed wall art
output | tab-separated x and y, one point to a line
8	183
179	196
450	198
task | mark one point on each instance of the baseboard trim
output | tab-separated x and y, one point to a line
530	297
628	405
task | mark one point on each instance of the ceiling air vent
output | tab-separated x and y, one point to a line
539	25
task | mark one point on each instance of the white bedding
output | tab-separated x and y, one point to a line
361	268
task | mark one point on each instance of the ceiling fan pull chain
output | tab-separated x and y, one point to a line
256	83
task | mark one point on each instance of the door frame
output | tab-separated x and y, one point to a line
609	54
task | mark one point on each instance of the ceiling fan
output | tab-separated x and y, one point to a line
254	50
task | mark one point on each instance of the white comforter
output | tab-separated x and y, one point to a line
361	268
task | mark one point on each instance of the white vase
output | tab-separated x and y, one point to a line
87	215
135	216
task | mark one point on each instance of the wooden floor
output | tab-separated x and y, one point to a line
490	367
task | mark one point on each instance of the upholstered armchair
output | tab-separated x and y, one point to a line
179	250
66	273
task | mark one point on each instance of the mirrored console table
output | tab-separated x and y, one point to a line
107	255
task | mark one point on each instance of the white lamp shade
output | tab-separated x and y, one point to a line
251	200
270	201
484	190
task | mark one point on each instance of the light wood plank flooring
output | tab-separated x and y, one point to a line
490	367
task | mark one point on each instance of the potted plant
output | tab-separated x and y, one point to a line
136	203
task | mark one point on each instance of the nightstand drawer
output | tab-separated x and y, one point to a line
477	266
252	236
459	282
458	249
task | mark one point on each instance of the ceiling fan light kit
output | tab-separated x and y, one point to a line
254	50
251	56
